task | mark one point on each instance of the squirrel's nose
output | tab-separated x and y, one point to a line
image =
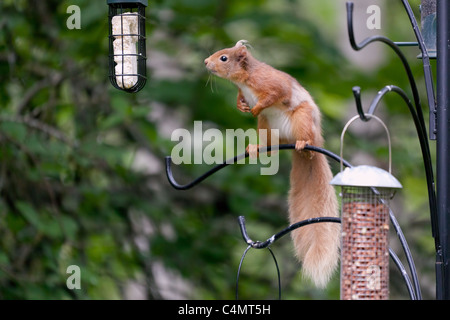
206	62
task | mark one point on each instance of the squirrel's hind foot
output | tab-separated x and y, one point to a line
300	146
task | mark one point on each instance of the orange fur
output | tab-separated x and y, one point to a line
280	102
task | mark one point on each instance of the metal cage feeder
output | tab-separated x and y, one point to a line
365	194
127	44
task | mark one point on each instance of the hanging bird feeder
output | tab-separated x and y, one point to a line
365	192
127	44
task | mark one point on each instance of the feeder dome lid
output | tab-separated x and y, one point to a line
365	176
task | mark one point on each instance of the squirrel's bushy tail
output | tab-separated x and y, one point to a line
310	196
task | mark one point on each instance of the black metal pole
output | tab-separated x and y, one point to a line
443	149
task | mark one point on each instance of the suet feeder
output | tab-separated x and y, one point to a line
365	194
127	44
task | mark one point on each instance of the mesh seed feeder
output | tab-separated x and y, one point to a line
365	193
127	53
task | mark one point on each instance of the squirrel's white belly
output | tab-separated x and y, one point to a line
279	120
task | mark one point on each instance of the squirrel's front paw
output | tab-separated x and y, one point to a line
243	106
255	111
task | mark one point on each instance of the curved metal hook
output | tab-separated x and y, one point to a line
272	239
266	244
374	104
196	181
359	108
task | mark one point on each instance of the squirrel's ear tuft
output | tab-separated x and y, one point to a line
242	43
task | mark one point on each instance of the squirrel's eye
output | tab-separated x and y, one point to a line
223	58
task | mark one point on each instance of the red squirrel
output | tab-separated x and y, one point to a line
280	102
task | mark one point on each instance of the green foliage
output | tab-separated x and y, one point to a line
82	178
